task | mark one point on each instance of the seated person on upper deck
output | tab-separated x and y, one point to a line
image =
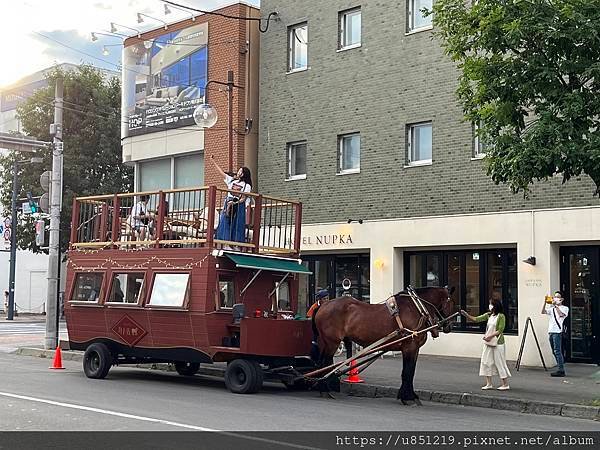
139	218
232	223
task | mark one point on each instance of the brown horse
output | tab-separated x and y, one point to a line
348	319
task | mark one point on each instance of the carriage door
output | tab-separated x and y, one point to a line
580	282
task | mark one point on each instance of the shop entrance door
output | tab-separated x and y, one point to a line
580	282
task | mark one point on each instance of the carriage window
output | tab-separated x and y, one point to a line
283	296
126	288
169	289
226	293
87	287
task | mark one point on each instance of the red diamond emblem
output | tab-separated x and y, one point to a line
129	330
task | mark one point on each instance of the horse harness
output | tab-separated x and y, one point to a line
425	316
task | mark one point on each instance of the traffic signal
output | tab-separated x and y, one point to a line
32	204
40	231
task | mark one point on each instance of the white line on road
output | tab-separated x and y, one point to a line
105	411
150	419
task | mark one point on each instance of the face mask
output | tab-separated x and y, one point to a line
491	307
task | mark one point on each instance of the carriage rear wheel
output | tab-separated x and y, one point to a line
187	369
244	376
97	361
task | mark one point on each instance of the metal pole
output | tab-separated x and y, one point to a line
230	85
13	246
51	341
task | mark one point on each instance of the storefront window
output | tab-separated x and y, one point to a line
475	275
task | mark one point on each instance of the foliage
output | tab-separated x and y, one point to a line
530	77
92	145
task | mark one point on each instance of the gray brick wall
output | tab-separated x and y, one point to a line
392	80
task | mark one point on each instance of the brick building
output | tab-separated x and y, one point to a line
165	72
359	120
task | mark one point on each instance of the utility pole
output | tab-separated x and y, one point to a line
13	246
55	203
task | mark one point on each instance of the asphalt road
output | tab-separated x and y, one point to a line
32	397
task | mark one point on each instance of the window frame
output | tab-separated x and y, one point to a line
484	287
141	294
409	144
291	37
278	284
100	296
290	145
479	146
225	277
342	16
186	296
410	19
341	140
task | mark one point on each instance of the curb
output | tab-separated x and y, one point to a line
481	401
379	391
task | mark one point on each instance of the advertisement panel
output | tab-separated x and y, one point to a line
5	230
164	80
11	98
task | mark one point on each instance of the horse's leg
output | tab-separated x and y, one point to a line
326	359
406	393
348	345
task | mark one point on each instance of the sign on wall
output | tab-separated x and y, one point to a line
164	80
5	230
11	98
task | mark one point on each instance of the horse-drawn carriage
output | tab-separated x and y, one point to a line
183	297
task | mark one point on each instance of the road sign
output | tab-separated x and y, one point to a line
26	208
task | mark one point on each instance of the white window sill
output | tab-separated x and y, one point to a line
296	177
419	30
478	157
348	172
302	69
349	47
425	162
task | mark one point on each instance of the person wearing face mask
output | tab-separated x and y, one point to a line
558	313
493	358
232	223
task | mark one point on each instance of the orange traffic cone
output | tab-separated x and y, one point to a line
57	363
354	378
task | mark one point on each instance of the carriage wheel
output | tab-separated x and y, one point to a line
186	369
97	361
243	376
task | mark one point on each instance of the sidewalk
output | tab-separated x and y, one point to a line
23	317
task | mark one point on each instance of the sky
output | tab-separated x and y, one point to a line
36	34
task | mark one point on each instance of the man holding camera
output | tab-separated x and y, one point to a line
553	306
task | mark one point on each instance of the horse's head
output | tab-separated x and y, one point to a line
447	307
441	299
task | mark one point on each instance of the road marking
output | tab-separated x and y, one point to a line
150	419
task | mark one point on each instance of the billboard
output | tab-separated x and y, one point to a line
11	98
164	80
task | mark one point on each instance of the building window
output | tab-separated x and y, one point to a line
416	17
475	274
154	175
226	292
349	153
88	287
479	145
419	143
298	47
296	161
169	289
126	288
349	29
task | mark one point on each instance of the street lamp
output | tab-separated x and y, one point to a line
13	236
206	116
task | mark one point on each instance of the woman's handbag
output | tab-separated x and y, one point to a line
493	342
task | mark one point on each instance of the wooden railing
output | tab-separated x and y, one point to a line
187	218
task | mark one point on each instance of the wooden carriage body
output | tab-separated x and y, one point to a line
180	294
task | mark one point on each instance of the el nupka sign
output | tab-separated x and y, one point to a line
328	239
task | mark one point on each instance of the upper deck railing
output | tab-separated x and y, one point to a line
186	218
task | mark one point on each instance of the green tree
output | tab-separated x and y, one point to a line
530	78
92	145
